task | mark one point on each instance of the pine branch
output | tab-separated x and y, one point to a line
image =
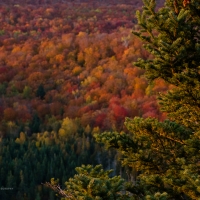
58	190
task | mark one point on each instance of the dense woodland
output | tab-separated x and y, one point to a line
66	73
162	156
71	61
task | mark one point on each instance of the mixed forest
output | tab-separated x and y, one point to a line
67	73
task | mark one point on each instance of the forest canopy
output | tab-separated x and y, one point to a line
71	84
65	74
164	156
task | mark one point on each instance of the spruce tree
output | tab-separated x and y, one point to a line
166	155
35	124
40	92
91	183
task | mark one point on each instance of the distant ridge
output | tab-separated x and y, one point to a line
137	3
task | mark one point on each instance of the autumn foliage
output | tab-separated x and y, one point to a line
72	60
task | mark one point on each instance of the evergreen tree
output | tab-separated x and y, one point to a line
40	92
35	124
91	184
176	50
38	197
166	154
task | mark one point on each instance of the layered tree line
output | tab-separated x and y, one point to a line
65	75
26	163
164	156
